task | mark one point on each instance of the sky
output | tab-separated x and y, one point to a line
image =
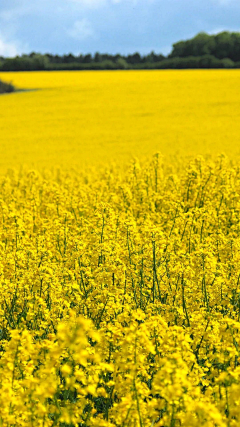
109	26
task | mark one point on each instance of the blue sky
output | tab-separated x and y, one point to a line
113	26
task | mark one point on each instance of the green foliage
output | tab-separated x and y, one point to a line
202	51
25	63
222	45
205	61
6	87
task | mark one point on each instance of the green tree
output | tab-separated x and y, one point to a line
222	45
122	64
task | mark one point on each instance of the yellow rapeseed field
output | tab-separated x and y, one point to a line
79	117
120	266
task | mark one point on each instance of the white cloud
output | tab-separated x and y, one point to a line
216	30
8	48
221	29
81	30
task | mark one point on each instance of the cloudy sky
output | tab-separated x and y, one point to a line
113	26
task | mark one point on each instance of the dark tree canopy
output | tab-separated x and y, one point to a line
202	51
222	45
6	87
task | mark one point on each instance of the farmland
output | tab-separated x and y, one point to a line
81	117
119	249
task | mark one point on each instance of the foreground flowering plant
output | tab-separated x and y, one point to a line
120	296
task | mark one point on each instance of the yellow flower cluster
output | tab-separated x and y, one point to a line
120	295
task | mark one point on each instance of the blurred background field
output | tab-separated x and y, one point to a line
72	118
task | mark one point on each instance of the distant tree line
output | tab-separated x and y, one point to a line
202	51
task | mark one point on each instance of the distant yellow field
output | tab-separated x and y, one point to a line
80	117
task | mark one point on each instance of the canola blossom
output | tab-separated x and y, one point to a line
120	266
120	295
72	118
